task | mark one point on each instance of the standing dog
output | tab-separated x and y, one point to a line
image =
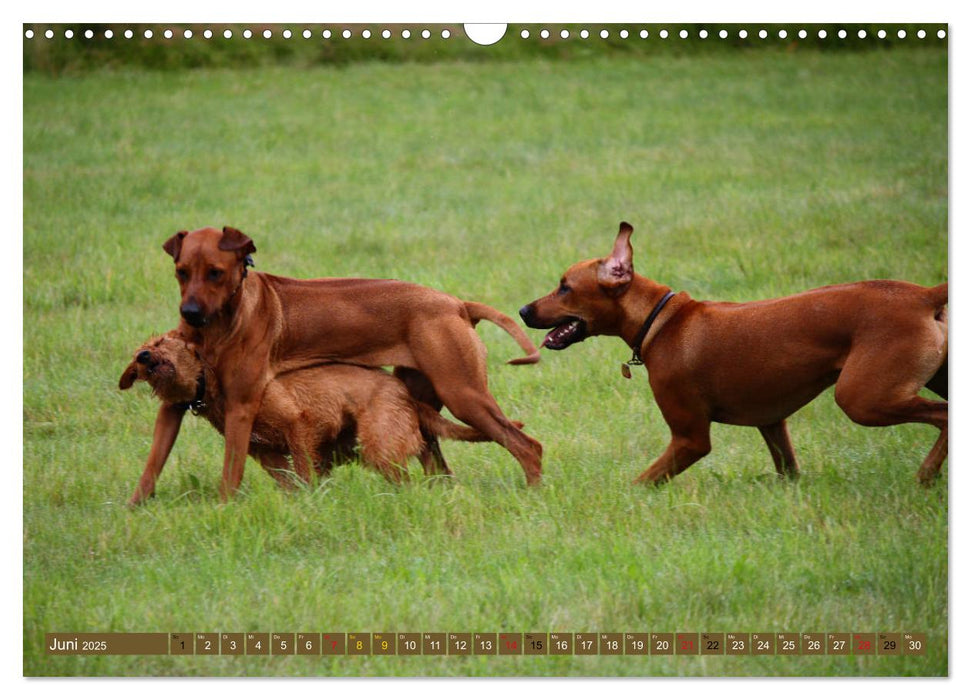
314	416
252	328
755	364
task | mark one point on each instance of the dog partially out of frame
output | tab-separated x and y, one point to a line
754	364
314	417
254	327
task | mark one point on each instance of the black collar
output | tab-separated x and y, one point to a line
247	262
642	333
198	404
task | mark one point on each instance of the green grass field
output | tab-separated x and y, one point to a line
746	174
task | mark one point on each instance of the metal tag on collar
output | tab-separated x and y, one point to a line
625	366
642	334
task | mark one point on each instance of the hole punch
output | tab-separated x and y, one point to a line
487	34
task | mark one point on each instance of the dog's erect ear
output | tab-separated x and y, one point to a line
174	245
236	241
617	271
128	377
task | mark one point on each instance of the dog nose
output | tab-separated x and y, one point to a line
192	314
526	313
144	357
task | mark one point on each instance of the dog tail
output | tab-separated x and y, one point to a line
432	422
478	312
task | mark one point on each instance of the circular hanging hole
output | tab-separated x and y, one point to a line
485	34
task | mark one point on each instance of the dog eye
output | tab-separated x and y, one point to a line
215	274
182	275
564	288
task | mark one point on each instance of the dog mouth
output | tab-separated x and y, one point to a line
573	330
196	320
160	372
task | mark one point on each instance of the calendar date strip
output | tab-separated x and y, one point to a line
487	644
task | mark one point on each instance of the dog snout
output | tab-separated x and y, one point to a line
530	316
192	314
526	313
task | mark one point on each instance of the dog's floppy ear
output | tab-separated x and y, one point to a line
128	377
236	241
173	246
616	272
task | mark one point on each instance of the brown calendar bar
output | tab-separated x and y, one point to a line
109	643
561	643
510	643
409	644
282	644
383	644
637	644
662	643
712	644
535	644
787	643
181	644
684	644
433	644
914	644
308	643
459	644
333	643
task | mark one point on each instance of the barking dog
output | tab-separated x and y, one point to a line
756	363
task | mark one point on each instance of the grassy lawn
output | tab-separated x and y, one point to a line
745	175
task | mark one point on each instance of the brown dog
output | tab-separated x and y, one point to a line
755	364
311	416
253	328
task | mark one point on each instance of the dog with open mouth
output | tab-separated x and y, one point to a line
755	364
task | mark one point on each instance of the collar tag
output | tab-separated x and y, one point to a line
636	357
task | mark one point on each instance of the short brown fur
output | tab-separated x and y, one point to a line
756	363
254	327
313	417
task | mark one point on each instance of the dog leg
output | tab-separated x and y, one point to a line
864	394
480	410
684	450
239	428
931	467
303	459
167	424
431	457
780	446
459	379
913	410
276	465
